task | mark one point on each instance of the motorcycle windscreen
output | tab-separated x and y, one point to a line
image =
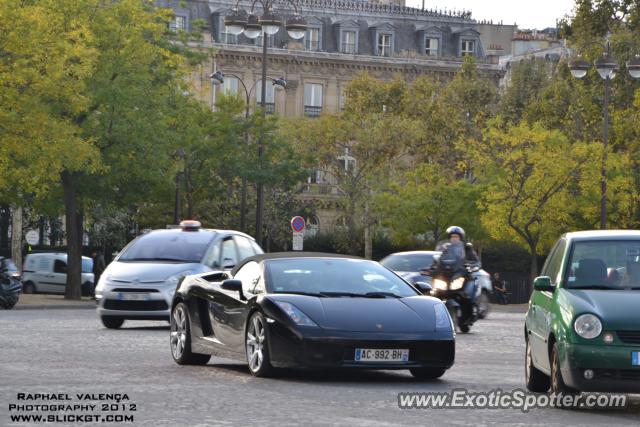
453	257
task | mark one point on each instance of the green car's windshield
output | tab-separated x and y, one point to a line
610	264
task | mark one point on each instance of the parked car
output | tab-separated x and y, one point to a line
304	310
10	286
410	264
582	329
47	273
140	282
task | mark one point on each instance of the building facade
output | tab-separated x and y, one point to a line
344	38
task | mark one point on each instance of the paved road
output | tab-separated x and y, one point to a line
68	351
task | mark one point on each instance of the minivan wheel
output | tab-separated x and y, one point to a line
28	288
112	322
87	289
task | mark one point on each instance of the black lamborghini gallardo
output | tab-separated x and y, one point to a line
303	310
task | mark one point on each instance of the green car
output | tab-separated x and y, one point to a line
582	328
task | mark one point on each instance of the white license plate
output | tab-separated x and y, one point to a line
381	355
635	358
126	296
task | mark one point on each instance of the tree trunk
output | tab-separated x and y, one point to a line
368	239
73	221
16	236
533	273
5	220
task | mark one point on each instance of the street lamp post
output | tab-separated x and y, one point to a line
180	155
268	25
606	67
218	78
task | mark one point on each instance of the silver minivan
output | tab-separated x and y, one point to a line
140	282
47	273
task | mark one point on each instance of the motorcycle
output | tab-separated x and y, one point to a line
10	285
454	284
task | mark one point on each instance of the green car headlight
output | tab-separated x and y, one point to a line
587	326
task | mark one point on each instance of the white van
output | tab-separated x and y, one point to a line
47	273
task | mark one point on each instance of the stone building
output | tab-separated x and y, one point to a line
344	38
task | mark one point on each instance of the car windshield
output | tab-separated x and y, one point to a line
334	277
613	264
168	246
87	265
408	262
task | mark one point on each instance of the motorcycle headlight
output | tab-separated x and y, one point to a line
457	284
295	314
587	326
439	284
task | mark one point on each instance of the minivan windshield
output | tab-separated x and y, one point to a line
610	264
169	246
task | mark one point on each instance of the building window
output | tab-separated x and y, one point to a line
312	39
230	86
468	48
347	162
269	98
312	99
227	37
348	42
384	44
269	40
431	46
179	23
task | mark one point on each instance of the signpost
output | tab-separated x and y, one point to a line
32	237
297	225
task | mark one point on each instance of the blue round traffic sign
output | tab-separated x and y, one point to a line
297	224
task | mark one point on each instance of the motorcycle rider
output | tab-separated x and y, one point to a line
456	235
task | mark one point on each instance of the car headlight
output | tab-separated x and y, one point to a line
443	320
439	284
457	284
587	326
295	314
173	280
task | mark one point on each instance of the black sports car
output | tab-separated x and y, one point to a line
303	310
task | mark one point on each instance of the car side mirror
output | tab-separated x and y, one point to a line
543	284
423	287
233	285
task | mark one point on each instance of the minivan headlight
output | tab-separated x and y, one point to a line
587	326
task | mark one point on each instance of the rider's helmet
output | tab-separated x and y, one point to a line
454	229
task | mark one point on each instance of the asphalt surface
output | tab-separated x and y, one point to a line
68	351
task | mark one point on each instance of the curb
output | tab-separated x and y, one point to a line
53	307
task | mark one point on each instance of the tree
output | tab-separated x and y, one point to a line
527	170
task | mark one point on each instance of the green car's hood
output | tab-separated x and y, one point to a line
619	310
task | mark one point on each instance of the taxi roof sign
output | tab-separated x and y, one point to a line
190	225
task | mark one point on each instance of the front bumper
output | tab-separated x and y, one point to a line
111	301
611	365
337	349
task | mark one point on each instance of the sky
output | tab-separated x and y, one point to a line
528	14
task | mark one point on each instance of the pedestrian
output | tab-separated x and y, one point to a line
98	266
499	288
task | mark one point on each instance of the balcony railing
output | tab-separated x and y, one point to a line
321	189
311	111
